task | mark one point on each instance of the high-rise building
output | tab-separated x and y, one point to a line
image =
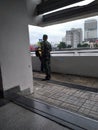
90	30
64	39
74	37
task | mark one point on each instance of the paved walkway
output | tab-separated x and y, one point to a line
76	100
14	117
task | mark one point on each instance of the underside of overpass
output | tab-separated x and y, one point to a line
67	14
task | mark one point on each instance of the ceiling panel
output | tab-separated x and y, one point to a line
71	13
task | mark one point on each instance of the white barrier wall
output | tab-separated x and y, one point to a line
77	65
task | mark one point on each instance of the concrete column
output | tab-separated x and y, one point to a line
15	56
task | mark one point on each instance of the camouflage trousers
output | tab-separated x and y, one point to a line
47	67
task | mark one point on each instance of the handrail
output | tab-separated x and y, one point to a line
73	52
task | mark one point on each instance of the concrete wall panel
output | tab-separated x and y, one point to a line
77	65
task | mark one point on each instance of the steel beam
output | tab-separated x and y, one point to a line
70	13
50	5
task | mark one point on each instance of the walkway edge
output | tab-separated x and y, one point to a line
64	117
71	85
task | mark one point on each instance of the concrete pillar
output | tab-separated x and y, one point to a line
15	59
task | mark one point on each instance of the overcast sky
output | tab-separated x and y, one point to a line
55	32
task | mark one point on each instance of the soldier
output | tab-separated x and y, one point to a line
46	48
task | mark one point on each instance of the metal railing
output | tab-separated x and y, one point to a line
74	52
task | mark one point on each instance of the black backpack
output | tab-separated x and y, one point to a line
37	53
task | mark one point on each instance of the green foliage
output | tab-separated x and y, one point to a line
83	45
96	45
61	45
79	45
69	46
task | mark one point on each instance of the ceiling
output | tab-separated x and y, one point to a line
65	14
49	5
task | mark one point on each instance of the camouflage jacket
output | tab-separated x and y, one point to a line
46	48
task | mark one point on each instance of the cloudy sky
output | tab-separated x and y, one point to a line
55	32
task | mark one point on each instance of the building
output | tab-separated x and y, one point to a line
91	30
64	39
74	37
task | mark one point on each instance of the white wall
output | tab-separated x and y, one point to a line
15	60
77	65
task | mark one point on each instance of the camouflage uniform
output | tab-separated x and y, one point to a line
46	48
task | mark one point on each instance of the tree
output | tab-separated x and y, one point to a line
79	45
83	45
62	45
96	45
69	46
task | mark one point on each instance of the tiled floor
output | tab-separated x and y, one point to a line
75	100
